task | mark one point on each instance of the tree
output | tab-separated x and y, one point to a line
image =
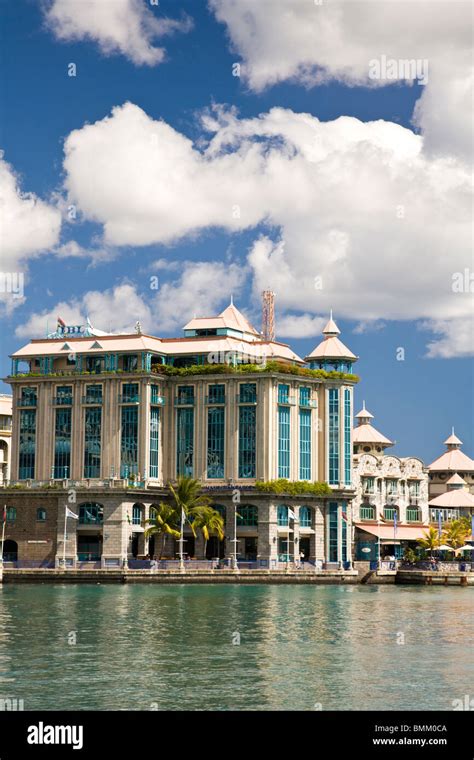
163	521
187	496
210	522
456	533
430	541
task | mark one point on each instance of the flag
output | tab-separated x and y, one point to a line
71	514
394	524
291	515
344	515
440	529
5	513
61	322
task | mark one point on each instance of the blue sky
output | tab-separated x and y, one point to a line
415	401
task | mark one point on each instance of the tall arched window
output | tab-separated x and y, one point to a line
137	514
91	513
282	515
305	517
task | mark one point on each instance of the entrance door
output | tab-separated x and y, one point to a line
89	548
304	547
251	549
10	551
215	548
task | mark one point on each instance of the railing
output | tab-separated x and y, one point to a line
184	401
28	563
437	566
88	557
157	400
310	402
413	515
367	513
133	398
92	399
215	400
28	402
389	513
62	401
248	402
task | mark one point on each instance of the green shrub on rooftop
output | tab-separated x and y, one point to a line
271	366
293	487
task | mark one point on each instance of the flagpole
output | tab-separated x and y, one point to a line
64	538
3	531
181	539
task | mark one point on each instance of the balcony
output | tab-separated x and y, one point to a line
310	403
367	513
251	400
129	398
28	402
62	401
92	400
157	400
389	513
215	400
413	515
287	401
184	401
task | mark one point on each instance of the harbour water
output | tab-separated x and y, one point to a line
236	647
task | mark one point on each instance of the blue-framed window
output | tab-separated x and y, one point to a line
216	394
305	444
130	393
333	531
93	394
347	437
215	442
91	513
129	442
62	443
130	362
29	397
282	515
185	441
334	436
185	394
305	394
92	441
247	441
283	394
305	517
247	514
155	394
344	531
247	393
27	444
11	514
137	514
63	395
40	515
284	441
154	439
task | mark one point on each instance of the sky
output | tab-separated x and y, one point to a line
223	147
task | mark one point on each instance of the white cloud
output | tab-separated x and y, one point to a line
29	225
456	337
128	27
74	250
300	326
310	44
357	217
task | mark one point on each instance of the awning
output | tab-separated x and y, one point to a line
403	533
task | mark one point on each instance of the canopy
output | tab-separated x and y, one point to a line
403	533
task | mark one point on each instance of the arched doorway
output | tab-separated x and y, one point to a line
10	551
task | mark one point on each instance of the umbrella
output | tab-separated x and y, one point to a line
445	548
466	548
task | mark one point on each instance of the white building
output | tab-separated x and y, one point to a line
5	436
390	509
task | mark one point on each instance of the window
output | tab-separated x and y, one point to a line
368	485
284	442
413	515
347	436
130	394
247	441
92	441
154	439
389	513
129	442
247	393
95	364
40	515
63	395
333	532
392	487
414	489
216	394
222	510
305	394
91	513
27	444
282	515
93	394
62	443
215	442
185	441
28	397
130	362
283	394
247	514
185	394
11	514
333	436
155	395
137	514
367	513
305	517
305	444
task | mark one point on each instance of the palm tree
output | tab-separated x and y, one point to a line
163	522
188	497
430	541
210	522
456	533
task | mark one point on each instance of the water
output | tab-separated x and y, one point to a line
171	647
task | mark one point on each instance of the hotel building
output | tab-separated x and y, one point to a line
5	437
101	423
390	509
451	484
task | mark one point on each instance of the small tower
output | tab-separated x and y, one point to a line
331	354
268	315
453	441
366	438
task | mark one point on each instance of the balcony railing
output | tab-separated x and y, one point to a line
287	401
62	401
184	401
389	513
215	399
413	515
129	398
157	400
309	402
247	401
367	513
92	400
28	402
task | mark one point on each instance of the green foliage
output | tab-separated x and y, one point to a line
242	369
293	488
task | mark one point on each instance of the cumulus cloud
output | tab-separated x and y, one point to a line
30	226
129	27
456	337
300	325
312	44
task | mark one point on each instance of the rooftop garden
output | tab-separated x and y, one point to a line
294	488
243	369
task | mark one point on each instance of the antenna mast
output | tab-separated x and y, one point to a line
268	315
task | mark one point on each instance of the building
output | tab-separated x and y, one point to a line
452	462
390	509
5	437
103	422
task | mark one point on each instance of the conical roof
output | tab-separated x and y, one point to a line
364	413
331	347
